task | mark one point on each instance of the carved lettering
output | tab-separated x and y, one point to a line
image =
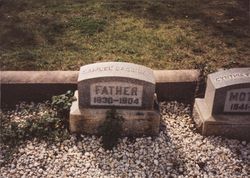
116	94
232	76
233	96
242	96
105	90
134	91
238	101
97	89
118	90
111	89
126	92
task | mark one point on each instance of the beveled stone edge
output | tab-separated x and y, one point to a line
204	119
217	84
37	77
30	77
124	74
176	76
77	115
21	86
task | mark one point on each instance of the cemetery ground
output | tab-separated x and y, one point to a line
173	34
64	35
32	151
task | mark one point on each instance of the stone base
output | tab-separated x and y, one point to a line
136	122
231	126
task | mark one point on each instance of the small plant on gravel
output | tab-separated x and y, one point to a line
46	120
205	68
62	104
111	129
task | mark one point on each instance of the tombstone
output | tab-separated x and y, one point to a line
126	87
225	110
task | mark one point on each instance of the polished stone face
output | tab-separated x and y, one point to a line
116	84
228	91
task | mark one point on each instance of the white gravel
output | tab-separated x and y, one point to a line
178	151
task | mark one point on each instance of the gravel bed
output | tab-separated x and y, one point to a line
178	151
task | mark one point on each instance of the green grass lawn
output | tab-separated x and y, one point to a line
162	34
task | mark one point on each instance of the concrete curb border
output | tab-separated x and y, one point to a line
179	85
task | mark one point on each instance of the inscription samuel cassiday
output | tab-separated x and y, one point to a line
114	68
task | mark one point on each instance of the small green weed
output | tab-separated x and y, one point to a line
43	121
62	103
111	129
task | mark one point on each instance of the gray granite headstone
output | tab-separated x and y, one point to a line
128	88
116	85
228	91
225	110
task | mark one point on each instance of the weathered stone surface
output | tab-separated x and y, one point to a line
225	110
170	85
116	84
19	86
233	85
128	88
136	122
236	126
117	69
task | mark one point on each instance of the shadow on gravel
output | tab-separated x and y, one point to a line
176	151
156	156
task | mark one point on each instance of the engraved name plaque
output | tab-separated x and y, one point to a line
225	110
116	84
124	88
227	91
237	100
116	94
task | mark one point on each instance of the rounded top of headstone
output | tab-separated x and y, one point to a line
116	69
230	77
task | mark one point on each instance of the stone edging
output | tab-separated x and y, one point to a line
179	85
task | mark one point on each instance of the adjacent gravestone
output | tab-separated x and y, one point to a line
126	87
225	110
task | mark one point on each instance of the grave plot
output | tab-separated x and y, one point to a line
128	88
177	151
225	110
